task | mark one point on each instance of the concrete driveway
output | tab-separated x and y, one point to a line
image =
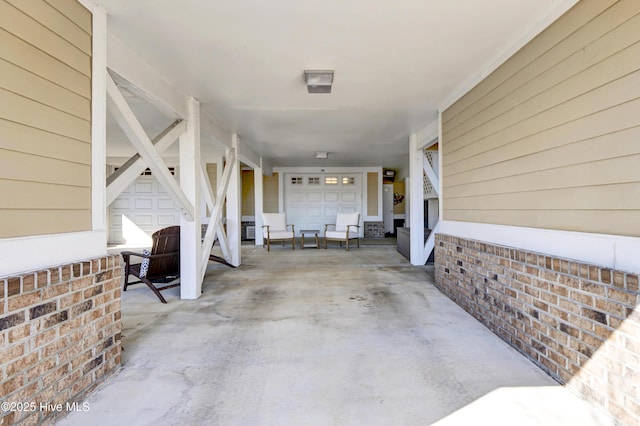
321	337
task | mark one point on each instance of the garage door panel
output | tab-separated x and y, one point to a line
166	204
348	197
167	220
314	211
297	196
121	203
331	212
331	197
143	220
143	203
143	188
314	197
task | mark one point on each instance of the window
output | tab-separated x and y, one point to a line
296	180
348	180
314	181
330	180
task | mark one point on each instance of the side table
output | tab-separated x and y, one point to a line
315	232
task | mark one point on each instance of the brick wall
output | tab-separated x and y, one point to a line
374	229
578	322
59	337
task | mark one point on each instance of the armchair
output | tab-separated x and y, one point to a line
275	228
346	228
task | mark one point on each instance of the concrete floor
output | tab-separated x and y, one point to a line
320	337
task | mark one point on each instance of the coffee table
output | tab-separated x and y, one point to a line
315	232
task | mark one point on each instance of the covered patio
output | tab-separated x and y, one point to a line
315	337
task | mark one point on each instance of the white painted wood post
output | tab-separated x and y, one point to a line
190	231
416	199
234	207
259	202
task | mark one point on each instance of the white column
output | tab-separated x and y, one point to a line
234	207
190	231
416	199
259	197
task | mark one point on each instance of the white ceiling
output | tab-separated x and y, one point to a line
395	62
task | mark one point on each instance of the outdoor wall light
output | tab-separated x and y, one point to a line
318	81
322	155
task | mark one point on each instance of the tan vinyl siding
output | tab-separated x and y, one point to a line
372	194
248	193
270	194
551	139
45	117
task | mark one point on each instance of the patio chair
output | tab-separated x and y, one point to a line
159	266
346	228
275	228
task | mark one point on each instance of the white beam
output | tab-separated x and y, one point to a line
258	187
267	167
120	180
428	136
416	201
214	131
133	129
431	174
234	207
248	156
144	80
190	229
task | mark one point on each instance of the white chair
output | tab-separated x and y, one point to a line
347	227
275	228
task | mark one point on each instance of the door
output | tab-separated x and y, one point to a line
387	208
311	200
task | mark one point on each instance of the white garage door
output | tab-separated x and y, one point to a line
312	200
139	211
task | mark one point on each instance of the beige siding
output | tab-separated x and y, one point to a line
248	193
45	117
372	194
270	194
551	139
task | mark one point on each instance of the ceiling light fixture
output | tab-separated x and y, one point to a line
318	81
322	155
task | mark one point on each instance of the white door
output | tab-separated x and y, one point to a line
387	207
311	200
139	211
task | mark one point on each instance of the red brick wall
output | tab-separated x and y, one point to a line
59	337
578	322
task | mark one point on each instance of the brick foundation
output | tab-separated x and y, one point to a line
59	336
374	230
578	322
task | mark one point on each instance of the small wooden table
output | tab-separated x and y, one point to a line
315	232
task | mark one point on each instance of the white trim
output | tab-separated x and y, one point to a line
416	204
440	168
19	255
98	117
554	13
258	191
612	251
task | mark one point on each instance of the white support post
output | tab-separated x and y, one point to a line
120	180
416	202
234	200
259	202
190	231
